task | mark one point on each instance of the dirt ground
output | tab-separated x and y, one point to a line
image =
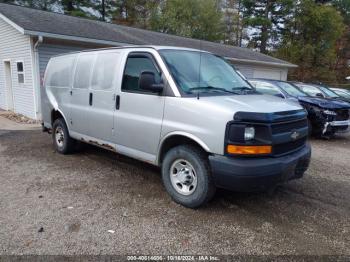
55	204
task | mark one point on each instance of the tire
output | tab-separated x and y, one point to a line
62	142
183	162
309	124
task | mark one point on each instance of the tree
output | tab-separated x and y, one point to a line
82	8
343	45
134	12
266	19
310	41
233	21
43	5
201	19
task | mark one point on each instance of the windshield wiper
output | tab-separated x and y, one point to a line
243	88
214	89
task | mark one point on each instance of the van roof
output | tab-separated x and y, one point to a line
155	47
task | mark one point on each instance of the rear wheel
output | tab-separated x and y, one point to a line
187	177
63	143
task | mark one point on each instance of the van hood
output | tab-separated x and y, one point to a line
326	103
252	103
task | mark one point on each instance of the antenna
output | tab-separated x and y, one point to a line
200	64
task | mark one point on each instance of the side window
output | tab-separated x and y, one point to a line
312	91
135	65
267	88
83	71
20	72
105	70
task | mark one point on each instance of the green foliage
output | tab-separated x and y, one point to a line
314	34
267	18
197	18
134	12
43	5
310	41
80	7
344	7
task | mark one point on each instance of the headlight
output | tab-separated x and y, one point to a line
329	112
249	133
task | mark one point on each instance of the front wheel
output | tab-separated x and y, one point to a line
186	176
309	125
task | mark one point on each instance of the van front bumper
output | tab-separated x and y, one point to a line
258	174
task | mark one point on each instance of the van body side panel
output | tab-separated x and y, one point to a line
104	83
79	100
197	118
46	106
206	118
58	81
139	121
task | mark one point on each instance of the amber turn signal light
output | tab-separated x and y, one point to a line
249	150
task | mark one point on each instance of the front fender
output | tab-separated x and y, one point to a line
183	134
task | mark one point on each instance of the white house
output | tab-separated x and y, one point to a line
29	37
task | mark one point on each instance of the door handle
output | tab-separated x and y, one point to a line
117	102
90	99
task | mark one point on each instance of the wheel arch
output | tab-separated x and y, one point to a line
178	138
57	113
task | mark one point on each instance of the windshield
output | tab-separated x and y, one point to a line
343	93
291	90
203	72
310	90
328	92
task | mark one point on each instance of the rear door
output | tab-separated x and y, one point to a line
140	113
79	104
103	95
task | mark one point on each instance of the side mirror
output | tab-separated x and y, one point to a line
319	95
147	82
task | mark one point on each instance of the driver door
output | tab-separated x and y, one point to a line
139	113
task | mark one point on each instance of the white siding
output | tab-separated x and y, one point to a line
254	71
246	70
271	73
17	47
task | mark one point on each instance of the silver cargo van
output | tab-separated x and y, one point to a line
187	111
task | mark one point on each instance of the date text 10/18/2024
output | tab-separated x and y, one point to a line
173	258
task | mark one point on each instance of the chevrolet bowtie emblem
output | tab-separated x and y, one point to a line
295	135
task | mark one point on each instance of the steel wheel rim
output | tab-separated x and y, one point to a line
59	136
183	177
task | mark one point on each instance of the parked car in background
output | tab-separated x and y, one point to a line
184	110
319	91
345	93
325	116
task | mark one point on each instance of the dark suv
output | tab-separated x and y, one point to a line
326	116
320	91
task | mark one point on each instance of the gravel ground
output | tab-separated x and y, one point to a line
77	199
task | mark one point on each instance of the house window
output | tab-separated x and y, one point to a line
20	72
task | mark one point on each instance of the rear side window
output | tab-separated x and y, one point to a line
311	90
59	72
83	71
105	70
133	69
